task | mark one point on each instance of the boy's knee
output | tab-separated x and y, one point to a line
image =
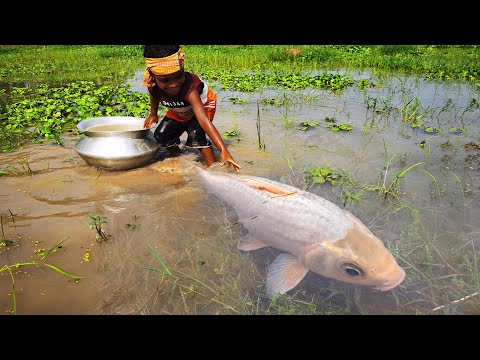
164	141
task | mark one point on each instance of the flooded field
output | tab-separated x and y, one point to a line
406	155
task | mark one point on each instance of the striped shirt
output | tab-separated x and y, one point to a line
180	109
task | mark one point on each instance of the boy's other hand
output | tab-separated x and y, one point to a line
149	121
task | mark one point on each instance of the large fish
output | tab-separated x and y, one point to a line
312	233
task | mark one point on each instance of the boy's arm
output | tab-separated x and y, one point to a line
154	102
211	130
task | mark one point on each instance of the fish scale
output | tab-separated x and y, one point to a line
313	233
268	215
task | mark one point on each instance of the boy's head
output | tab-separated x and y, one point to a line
160	51
164	66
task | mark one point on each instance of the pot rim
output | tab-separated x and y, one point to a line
141	133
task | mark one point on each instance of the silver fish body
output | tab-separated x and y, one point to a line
313	233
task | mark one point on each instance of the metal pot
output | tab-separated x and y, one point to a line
115	142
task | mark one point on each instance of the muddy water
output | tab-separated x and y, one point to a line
171	248
156	208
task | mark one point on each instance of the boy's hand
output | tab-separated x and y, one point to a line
149	121
227	158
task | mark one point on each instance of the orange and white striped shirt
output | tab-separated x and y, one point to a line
178	106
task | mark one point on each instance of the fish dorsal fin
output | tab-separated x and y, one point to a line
248	243
284	274
266	186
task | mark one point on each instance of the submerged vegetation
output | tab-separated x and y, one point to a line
17	268
46	90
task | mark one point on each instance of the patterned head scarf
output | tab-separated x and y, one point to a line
162	66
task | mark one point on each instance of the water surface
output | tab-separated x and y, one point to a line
171	247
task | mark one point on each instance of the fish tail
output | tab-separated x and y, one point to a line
190	165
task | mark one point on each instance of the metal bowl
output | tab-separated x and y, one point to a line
118	126
115	142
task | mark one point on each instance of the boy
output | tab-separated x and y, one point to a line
190	101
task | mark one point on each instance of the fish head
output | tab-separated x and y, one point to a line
358	258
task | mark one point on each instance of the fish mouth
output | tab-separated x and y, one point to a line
390	285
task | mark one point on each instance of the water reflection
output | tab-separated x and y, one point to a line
171	247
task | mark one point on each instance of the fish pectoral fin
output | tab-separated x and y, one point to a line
284	274
267	187
249	243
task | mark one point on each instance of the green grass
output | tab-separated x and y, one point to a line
46	90
60	64
113	63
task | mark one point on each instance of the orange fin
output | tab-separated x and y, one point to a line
284	274
266	186
248	243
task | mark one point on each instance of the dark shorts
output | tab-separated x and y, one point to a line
168	133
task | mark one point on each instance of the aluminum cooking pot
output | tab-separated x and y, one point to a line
115	142
120	126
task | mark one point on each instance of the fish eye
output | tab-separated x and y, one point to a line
352	270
